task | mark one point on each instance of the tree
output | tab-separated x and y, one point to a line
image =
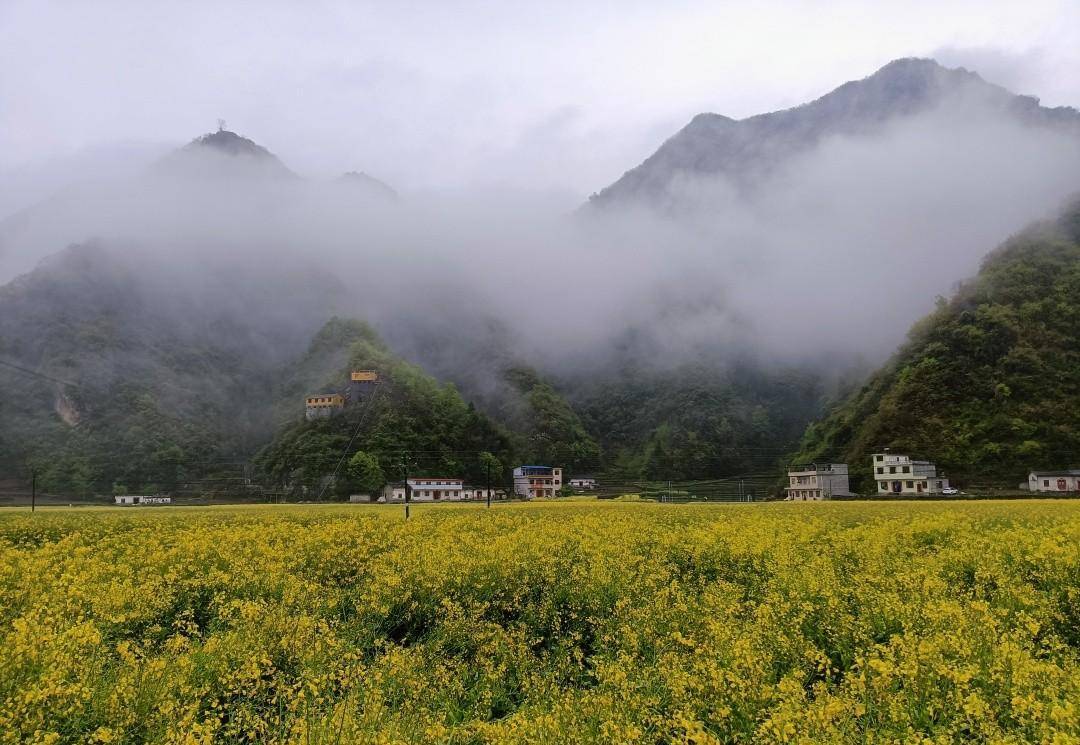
366	473
489	464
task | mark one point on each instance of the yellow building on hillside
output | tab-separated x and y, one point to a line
324	404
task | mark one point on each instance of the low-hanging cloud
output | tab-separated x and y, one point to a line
828	259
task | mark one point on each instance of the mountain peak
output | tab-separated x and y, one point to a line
747	150
230	143
224	154
911	66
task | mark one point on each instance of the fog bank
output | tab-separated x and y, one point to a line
828	259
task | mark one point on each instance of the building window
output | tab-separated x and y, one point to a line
911	485
879	458
907	469
881	469
892	469
1046	482
884	485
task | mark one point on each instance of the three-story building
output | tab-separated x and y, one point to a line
816	481
531	482
899	475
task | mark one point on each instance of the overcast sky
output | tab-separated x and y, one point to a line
557	96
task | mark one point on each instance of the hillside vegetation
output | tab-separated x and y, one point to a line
699	420
988	385
552	433
131	383
410	420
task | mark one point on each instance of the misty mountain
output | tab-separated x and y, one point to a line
988	385
201	176
368	187
209	339
223	154
672	345
747	151
137	374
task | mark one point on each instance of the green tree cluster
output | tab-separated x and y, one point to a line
554	434
699	420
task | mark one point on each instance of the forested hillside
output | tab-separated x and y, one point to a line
409	420
552	432
130	380
699	420
988	385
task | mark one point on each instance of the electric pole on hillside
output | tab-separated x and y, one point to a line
489	484
33	489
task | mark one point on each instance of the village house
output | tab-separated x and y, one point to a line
900	475
531	482
482	493
1053	481
422	489
323	405
134	499
583	482
816	481
361	385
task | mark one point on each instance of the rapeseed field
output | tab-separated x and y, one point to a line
543	623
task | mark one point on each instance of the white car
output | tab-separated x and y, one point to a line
950	490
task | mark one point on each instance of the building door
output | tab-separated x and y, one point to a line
1061	485
897	486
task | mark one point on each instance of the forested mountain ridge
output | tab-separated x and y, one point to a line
988	385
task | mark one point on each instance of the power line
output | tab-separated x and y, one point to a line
35	373
348	447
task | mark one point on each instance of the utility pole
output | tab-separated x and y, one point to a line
741	491
489	484
33	489
405	468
